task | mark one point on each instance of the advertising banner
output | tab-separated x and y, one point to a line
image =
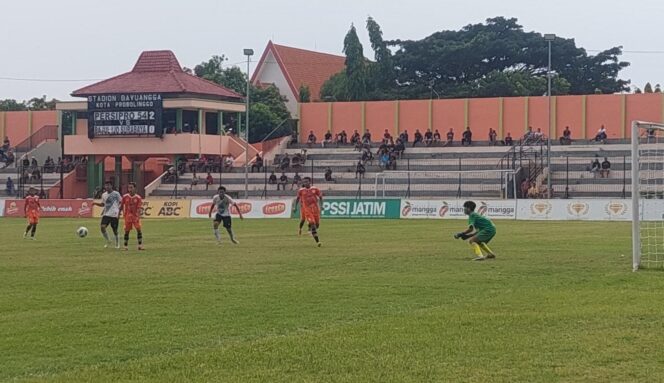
576	209
358	208
453	209
158	208
249	208
72	208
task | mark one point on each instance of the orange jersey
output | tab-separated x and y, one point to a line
131	206
32	204
309	198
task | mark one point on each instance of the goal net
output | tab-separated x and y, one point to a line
647	195
490	184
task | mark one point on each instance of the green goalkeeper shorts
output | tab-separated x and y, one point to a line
485	236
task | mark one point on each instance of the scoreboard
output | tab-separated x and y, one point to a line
125	114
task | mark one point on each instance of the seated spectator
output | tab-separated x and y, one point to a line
228	163
328	175
283	180
539	136
10	186
606	168
272	180
208	181
383	159
467	138
258	163
297	179
35	174
355	138
366	138
392	162
387	137
4	150
493	137
399	148
404	137
595	167
428	137
650	133
450	137
327	139
436	137
601	135
6	145
25	161
534	191
566	139
194	181
344	137
525	186
360	170
285	162
508	140
311	140
367	156
418	137
10	159
528	136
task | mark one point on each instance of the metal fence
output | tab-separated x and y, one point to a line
589	176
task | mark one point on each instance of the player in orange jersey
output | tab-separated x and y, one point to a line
31	209
311	200
131	208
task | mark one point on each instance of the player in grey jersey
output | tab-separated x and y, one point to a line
110	201
222	203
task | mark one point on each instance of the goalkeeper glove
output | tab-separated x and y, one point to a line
463	236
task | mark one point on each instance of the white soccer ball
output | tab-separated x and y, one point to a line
82	232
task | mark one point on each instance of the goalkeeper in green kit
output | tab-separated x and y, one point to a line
479	233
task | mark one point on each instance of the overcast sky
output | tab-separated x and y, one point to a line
85	39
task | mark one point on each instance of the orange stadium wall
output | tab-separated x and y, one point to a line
18	126
583	114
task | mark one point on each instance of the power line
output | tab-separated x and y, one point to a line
48	80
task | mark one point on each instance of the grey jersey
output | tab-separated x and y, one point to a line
223	205
111	203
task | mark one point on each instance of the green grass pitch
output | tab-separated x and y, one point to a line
381	301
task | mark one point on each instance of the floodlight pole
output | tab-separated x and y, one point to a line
549	38
248	53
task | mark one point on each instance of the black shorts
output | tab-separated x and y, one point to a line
110	221
225	220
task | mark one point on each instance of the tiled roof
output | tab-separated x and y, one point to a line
303	67
158	72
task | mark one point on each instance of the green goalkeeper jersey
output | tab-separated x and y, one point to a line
481	223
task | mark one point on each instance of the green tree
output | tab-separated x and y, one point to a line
305	93
658	89
40	103
336	88
381	72
647	88
356	73
10	105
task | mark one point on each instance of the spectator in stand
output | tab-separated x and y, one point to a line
194	181
328	175
273	179
467	138
360	170
493	137
285	162
35	174
528	136
387	137
228	163
327	139
33	163
297	179
283	181
4	150
525	186
399	148
595	167
355	138
367	156
508	140
404	137
450	137
258	163
383	159
10	159
344	137
601	135
566	139
417	137
366	138
311	140
534	191
606	168
428	137
392	162
208	181
539	136
10	187
436	137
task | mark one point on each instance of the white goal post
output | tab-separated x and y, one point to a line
647	194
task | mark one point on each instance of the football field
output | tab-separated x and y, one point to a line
381	301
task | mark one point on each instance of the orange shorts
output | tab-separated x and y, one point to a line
312	217
132	223
33	217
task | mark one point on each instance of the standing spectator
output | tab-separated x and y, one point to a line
493	137
311	140
283	181
450	137
601	135
273	179
418	137
296	181
428	138
436	137
258	163
525	186
467	138
595	167
328	175
566	139
10	187
360	170
508	140
606	168
208	181
327	139
355	138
